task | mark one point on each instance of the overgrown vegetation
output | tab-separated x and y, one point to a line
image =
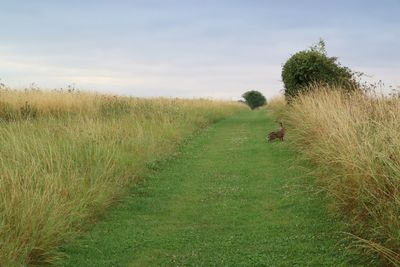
354	142
65	156
314	66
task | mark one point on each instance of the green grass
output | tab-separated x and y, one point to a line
228	199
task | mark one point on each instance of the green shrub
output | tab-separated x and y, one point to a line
254	99
314	66
28	111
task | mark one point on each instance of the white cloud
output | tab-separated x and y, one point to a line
187	49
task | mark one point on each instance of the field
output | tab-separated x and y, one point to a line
229	199
354	144
98	180
66	156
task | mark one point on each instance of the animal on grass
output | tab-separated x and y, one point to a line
278	134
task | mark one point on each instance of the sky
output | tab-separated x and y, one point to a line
189	48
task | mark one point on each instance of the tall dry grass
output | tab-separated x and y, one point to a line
354	142
64	157
278	105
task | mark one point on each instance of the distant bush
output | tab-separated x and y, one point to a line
254	99
314	66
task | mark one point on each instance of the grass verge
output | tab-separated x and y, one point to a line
353	141
65	157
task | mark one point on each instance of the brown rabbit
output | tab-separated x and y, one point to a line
279	134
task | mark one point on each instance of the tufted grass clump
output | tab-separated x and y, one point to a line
66	156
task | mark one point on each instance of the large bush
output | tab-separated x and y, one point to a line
314	66
254	99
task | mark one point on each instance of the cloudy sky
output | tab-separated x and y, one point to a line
189	48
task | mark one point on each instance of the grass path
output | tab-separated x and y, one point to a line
229	199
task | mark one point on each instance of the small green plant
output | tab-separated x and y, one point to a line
28	111
314	66
254	99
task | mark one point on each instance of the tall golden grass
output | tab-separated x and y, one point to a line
354	141
64	157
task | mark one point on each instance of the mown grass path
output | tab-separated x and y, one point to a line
229	199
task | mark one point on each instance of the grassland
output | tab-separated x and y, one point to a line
66	156
229	199
354	143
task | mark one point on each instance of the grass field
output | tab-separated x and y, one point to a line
228	199
225	198
354	143
66	156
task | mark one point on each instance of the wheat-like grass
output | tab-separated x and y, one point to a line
354	141
64	157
